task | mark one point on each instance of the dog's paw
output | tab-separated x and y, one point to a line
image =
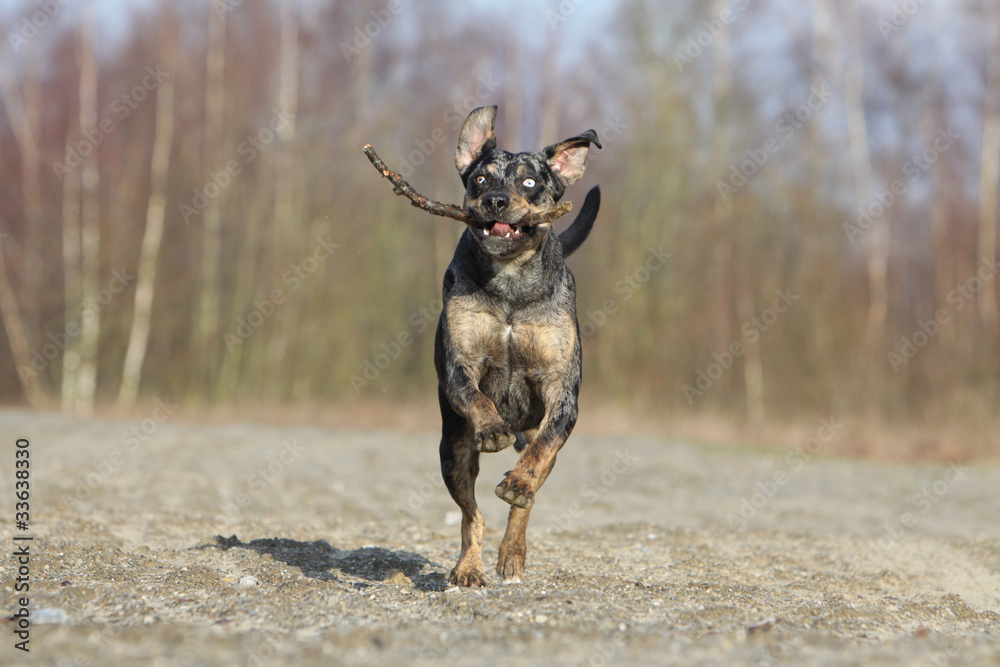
510	565
467	577
494	437
516	491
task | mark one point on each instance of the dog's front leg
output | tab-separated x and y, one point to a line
490	431
520	484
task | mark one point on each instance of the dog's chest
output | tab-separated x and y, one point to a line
503	351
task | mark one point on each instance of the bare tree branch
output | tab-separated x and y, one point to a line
401	187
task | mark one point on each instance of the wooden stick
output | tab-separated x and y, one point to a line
401	187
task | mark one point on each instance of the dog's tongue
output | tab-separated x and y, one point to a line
500	229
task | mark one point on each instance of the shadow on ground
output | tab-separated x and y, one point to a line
320	560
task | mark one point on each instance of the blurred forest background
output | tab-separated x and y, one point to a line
799	199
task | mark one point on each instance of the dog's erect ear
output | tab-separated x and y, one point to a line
477	137
568	158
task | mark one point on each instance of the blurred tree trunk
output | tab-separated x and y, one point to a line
14	327
159	170
289	239
513	105
207	333
989	171
90	230
727	274
23	114
877	237
72	279
550	111
246	272
941	240
857	130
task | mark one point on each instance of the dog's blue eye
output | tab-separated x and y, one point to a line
480	179
529	183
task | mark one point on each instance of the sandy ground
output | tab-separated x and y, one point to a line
181	543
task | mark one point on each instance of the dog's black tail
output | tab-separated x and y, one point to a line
577	233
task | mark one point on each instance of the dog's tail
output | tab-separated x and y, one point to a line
577	233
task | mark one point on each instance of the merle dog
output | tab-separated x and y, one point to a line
507	349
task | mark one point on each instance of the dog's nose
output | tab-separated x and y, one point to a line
495	203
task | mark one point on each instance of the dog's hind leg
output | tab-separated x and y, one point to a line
459	468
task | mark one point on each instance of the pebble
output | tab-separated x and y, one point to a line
49	615
397	578
541	618
763	625
247	581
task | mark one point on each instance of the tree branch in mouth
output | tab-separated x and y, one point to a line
401	187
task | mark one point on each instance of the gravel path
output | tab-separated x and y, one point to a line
181	543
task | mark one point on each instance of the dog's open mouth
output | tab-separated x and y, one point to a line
500	230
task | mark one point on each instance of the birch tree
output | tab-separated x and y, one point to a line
90	233
152	236
286	236
857	133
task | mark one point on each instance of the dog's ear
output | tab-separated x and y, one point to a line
477	137
568	158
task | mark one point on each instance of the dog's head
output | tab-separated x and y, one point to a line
502	188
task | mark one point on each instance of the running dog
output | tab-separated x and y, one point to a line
507	348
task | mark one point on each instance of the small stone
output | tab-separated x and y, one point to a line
762	626
541	618
247	581
49	615
397	578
